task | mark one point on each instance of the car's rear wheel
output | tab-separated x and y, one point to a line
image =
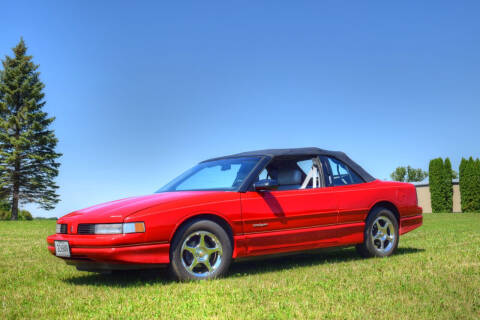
201	249
381	234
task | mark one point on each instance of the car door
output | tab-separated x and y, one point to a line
353	199
294	217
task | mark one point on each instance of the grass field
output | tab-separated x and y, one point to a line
435	274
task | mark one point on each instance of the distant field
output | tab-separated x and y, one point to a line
435	274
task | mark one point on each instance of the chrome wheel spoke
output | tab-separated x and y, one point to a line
190	249
201	244
207	264
211	251
193	264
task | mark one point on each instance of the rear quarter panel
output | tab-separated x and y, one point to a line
356	201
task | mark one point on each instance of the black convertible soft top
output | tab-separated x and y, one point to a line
299	152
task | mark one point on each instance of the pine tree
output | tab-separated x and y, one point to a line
27	146
447	173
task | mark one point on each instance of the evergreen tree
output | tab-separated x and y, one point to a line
448	192
27	146
462	184
470	184
436	182
476	186
469	177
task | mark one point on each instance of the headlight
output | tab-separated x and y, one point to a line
110	228
119	228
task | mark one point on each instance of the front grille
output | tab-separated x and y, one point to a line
63	228
86	228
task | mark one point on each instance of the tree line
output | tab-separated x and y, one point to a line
441	188
440	175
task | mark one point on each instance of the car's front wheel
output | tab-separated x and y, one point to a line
381	234
201	249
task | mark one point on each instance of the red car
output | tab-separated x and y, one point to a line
248	204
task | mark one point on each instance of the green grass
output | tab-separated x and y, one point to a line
435	274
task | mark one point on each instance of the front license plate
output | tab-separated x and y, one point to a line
62	249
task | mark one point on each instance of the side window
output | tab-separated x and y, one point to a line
293	174
340	174
305	165
263	175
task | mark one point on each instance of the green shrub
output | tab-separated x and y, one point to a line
5	214
22	215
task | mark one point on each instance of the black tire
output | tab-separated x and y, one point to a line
190	234
373	245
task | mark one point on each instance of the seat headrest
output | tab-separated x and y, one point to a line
289	176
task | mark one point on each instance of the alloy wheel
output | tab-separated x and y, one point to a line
383	234
201	253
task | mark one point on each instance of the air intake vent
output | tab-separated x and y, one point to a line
86	228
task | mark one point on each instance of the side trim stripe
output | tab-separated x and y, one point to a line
326	226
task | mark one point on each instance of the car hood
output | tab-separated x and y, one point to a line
117	211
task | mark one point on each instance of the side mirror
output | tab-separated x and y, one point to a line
265	184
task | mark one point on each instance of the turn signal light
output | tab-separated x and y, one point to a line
133	227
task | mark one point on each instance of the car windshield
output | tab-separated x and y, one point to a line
223	174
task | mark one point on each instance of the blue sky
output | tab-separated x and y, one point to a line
142	90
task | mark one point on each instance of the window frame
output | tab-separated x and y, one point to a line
314	158
172	185
326	163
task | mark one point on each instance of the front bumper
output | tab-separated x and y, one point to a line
112	249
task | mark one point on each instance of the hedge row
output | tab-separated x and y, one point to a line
441	188
470	184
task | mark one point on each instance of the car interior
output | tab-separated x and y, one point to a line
290	175
301	173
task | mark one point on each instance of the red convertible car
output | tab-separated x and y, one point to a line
248	204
